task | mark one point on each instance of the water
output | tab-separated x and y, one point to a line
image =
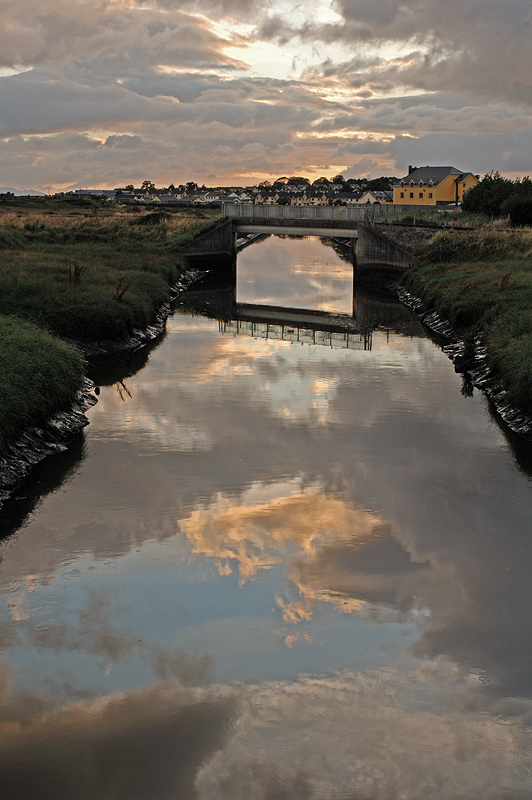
280	563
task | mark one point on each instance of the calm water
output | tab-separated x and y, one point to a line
280	563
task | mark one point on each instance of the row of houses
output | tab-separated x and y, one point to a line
306	197
422	186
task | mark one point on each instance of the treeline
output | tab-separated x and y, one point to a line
384	183
497	196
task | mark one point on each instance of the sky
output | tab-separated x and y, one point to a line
102	93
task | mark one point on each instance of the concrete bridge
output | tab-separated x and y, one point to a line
372	252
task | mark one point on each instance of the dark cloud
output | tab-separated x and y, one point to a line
136	745
476	46
107	37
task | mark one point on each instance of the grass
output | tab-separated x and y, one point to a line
124	262
39	375
481	281
86	272
431	216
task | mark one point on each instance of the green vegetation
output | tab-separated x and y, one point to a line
434	217
39	375
85	276
84	271
496	196
481	281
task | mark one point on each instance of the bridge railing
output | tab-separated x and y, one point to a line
333	213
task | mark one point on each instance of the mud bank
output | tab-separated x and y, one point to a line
476	369
54	436
37	443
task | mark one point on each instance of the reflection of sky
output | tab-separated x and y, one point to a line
312	558
298	273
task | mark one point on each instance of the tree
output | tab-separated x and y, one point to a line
381	184
519	204
519	208
147	185
296	180
488	195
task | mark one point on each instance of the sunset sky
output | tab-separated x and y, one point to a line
101	93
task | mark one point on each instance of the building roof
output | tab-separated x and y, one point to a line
426	174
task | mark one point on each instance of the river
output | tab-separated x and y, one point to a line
289	558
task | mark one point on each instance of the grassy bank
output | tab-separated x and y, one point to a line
90	272
87	276
38	376
481	281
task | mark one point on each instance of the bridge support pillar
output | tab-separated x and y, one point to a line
220	242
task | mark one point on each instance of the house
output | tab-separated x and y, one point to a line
376	196
430	186
266	198
309	198
166	198
346	198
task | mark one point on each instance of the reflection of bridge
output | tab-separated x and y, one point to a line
297	325
373	253
292	333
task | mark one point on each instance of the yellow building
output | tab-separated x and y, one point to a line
430	186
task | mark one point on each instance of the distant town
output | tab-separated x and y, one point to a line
421	186
293	190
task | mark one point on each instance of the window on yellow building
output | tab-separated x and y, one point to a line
421	194
402	194
411	194
430	195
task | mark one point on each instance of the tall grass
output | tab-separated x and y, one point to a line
485	287
125	263
489	243
432	216
38	376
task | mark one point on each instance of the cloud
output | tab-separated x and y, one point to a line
257	535
137	744
195	85
107	37
353	733
370	735
442	46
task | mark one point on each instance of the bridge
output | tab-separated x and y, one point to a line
293	333
373	252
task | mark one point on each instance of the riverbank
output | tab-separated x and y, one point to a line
74	283
480	283
475	287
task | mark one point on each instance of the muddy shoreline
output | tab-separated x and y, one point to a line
55	435
476	369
